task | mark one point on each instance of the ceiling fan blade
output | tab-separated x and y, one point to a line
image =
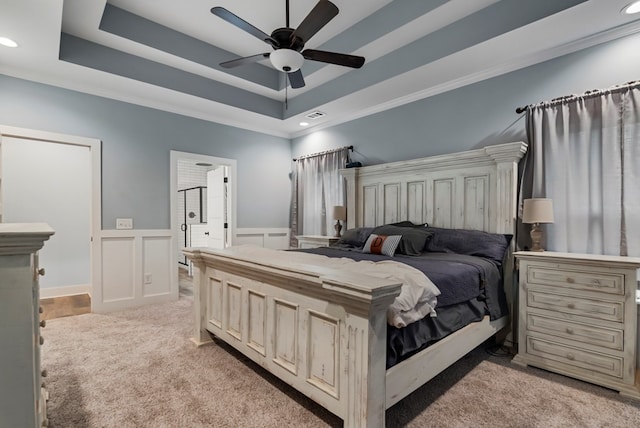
320	15
296	79
232	19
352	61
245	60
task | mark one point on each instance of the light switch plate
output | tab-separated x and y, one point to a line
124	223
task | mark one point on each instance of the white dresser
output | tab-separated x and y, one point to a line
578	317
22	393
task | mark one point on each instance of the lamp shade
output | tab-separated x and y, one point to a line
537	210
286	60
340	212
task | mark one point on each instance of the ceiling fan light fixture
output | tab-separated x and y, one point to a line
632	8
286	60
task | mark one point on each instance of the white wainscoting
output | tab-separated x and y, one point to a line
137	268
276	238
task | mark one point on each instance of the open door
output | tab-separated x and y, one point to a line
217	207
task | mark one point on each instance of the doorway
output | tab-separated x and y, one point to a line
55	178
193	223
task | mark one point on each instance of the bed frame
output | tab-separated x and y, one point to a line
323	331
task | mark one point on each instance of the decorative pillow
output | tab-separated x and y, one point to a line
414	238
354	237
382	244
470	242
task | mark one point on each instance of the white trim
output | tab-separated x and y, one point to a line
69	290
94	146
268	237
125	265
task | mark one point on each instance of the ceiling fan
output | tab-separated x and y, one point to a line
288	43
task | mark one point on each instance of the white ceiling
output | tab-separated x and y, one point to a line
414	49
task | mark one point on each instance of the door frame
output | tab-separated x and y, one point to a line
231	164
94	145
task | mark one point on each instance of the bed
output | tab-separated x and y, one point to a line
323	330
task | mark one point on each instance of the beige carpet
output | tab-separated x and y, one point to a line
138	368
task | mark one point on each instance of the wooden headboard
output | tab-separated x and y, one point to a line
475	189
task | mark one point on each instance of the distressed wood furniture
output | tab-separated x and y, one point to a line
578	317
22	394
324	331
314	241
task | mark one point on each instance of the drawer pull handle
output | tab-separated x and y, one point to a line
570	280
569	331
41	340
43	323
571	357
40	309
571	306
41	271
44	373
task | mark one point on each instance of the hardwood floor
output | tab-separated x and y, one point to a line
58	307
185	283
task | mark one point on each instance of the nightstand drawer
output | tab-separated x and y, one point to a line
579	332
594	309
563	276
590	361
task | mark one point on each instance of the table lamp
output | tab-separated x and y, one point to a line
536	211
339	214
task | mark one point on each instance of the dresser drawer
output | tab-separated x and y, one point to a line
594	309
579	332
590	361
564	276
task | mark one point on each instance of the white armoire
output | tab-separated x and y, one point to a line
22	391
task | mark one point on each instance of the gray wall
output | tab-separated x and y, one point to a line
480	114
136	142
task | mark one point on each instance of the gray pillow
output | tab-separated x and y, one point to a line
470	242
354	237
413	239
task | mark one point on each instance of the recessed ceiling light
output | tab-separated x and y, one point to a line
5	41
304	123
632	8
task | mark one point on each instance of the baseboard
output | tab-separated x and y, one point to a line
69	290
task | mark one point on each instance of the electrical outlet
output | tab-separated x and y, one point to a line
124	223
147	278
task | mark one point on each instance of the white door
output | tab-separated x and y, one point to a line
216	207
44	181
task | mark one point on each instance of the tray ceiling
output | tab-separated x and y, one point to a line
165	54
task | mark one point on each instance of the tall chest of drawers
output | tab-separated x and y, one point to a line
22	395
578	317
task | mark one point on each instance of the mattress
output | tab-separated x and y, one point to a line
471	287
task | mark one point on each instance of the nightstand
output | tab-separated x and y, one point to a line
578	317
314	241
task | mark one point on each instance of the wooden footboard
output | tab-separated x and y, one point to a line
320	330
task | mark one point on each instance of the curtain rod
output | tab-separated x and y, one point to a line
593	93
323	153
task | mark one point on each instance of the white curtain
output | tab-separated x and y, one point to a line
585	156
317	188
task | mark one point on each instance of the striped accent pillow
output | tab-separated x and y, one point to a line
382	244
